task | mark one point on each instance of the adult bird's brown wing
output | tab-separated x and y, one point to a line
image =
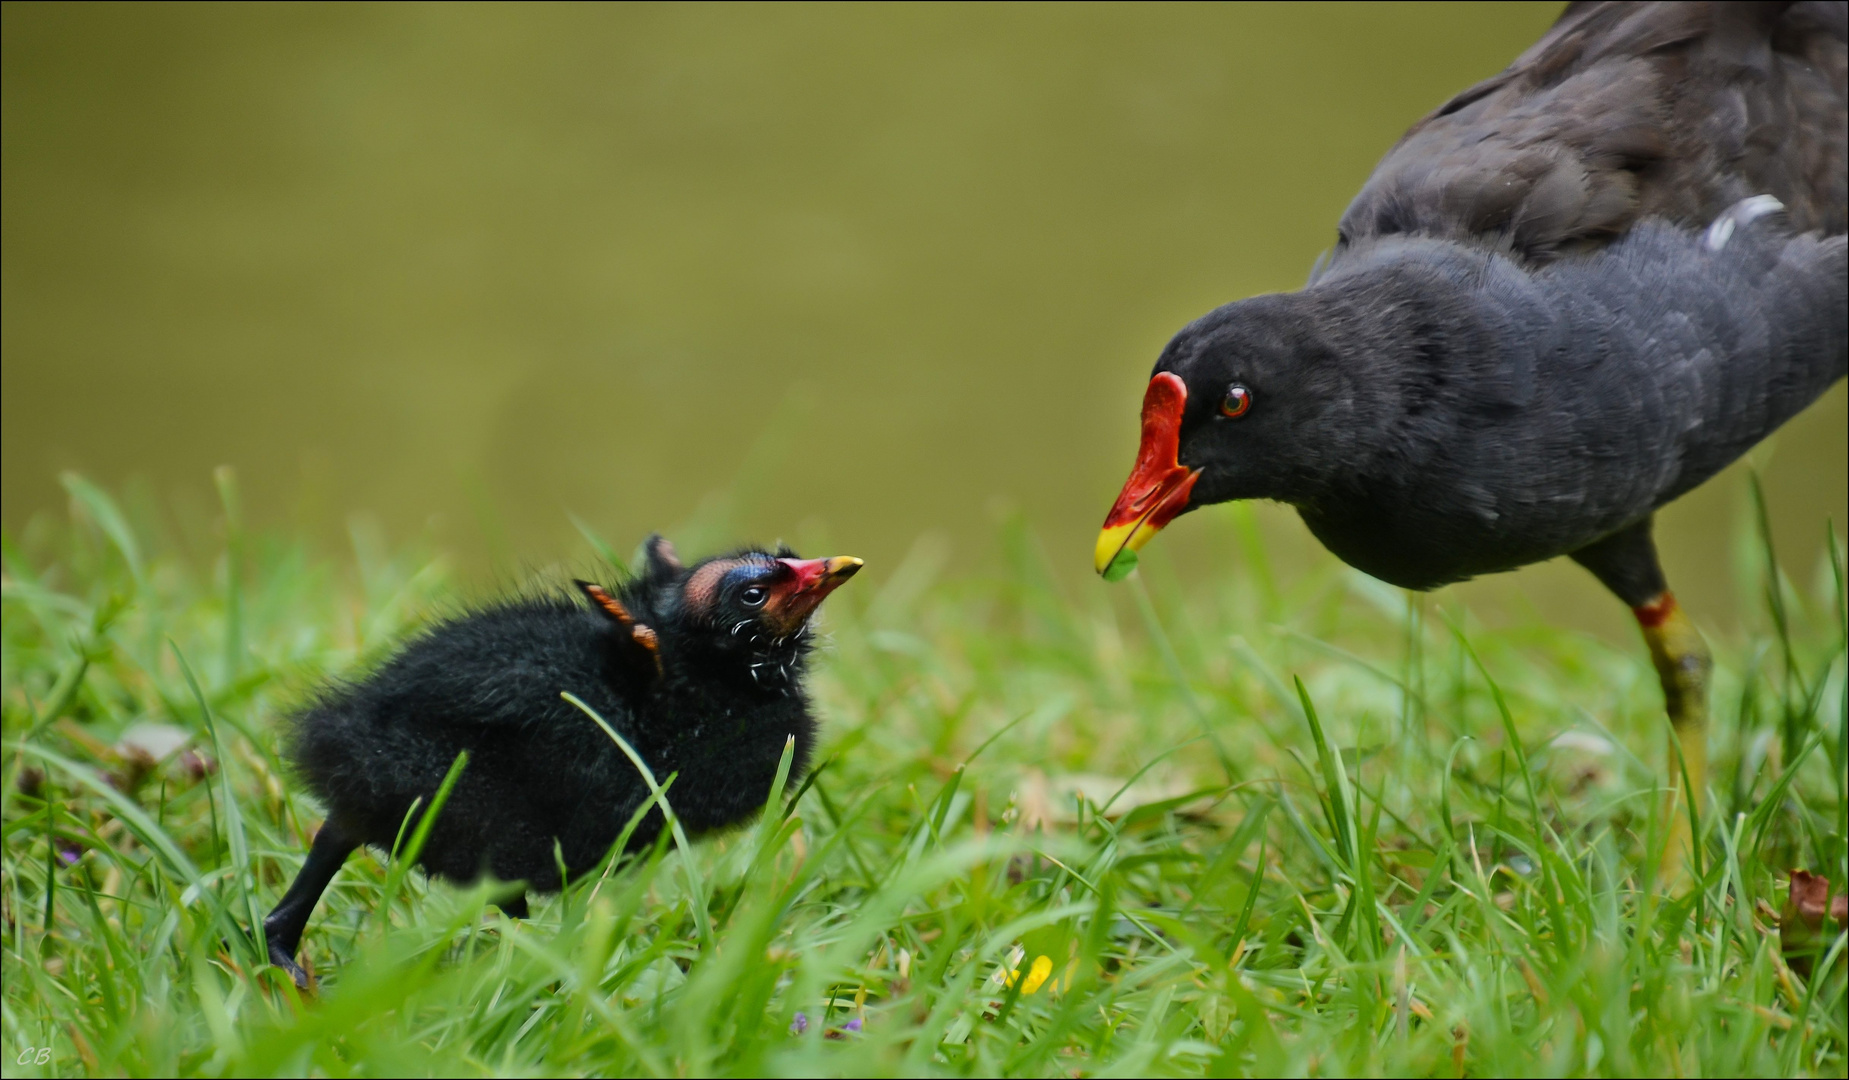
1625	111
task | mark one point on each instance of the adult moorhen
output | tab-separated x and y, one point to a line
699	669
1569	295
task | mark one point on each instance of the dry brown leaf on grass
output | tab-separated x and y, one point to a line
1802	931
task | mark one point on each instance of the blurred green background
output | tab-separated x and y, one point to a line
879	273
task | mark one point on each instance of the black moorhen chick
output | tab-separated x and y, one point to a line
1571	294
699	669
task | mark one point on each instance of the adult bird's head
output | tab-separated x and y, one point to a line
1249	401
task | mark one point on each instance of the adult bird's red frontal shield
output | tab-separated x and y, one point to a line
1159	485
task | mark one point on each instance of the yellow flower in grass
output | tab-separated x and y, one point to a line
1036	974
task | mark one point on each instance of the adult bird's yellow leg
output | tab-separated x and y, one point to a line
1682	663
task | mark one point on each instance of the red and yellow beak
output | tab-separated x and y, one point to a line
1159	485
795	598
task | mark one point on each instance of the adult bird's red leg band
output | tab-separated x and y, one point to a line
1159	485
1654	612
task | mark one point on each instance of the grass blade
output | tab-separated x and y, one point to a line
696	888
404	857
242	881
108	517
1339	803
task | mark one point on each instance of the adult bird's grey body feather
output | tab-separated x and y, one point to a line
1562	404
1564	298
1624	112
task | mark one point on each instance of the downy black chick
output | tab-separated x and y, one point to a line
698	668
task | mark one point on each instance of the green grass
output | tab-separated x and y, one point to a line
1346	839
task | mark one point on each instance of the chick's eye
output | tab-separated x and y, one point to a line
1237	403
754	596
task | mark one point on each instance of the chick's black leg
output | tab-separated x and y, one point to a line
283	928
1626	562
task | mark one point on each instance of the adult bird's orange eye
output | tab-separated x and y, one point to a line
1237	402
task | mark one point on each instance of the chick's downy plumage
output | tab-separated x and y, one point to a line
698	668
